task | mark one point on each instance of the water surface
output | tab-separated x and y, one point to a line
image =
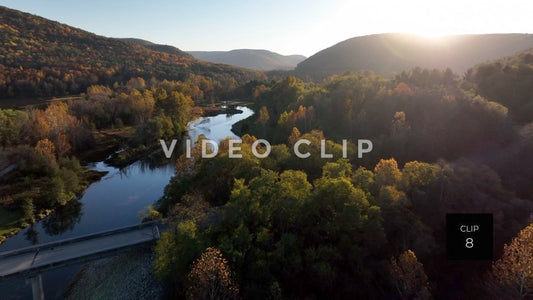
114	201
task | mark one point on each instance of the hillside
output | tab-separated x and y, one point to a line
509	81
156	47
252	59
387	54
40	57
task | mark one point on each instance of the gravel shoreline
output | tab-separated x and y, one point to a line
125	276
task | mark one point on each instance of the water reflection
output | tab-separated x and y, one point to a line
32	235
63	219
112	202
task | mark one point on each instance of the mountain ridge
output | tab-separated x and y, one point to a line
156	47
259	59
390	53
41	58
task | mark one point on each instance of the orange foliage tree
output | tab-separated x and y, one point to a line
46	148
210	278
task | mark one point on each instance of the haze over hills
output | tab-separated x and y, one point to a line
250	58
390	53
40	57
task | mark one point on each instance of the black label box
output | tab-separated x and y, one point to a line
469	236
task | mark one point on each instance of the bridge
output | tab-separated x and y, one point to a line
32	261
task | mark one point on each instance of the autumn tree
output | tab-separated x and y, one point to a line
303	118
62	144
175	251
399	123
515	268
408	276
47	149
210	278
58	118
137	83
179	107
141	106
192	206
363	179
263	116
56	124
338	169
313	164
403	89
98	93
387	172
416	175
295	135
38	126
11	126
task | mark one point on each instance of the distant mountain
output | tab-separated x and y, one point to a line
252	59
390	53
40	57
156	47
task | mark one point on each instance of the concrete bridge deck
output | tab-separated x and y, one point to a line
35	259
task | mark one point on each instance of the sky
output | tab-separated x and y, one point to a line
286	27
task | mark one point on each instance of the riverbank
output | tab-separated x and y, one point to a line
13	221
107	142
116	141
13	217
130	155
216	110
125	276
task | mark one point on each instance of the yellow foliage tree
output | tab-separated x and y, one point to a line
408	276
295	135
387	172
515	268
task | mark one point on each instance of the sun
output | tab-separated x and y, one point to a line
428	30
416	17
433	33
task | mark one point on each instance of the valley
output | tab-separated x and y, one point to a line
372	143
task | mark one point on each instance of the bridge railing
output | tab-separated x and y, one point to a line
43	246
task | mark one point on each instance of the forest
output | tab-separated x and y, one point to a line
281	227
44	146
286	227
43	58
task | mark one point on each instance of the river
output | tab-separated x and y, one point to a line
114	201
